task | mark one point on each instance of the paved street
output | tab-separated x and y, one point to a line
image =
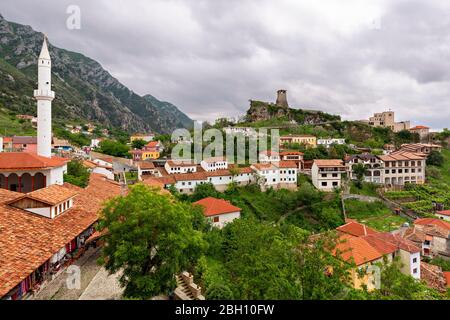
95	284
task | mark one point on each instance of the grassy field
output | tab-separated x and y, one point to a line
10	125
375	215
367	189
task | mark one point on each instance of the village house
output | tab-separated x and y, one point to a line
269	156
147	137
444	215
402	167
214	163
180	166
244	131
425	148
373	164
24	144
386	119
330	141
295	156
152	150
145	168
366	247
431	235
307	140
218	211
327	174
422	131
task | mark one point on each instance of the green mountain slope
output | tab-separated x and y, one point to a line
84	90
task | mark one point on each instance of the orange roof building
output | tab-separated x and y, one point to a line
32	242
219	211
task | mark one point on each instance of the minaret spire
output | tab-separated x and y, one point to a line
44	96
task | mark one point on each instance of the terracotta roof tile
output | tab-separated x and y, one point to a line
29	240
51	195
356	249
213	206
329	162
356	229
433	221
25	160
444	212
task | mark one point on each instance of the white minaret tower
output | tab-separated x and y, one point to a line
44	96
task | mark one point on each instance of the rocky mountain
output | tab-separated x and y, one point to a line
84	90
263	111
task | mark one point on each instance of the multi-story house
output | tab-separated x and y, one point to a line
307	140
422	131
373	164
402	167
327	174
387	120
420	147
367	247
431	235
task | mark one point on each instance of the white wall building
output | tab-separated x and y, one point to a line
174	167
214	163
218	211
269	156
373	164
327	174
328	142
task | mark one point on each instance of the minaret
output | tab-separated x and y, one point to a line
44	96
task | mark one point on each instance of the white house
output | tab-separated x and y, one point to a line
330	141
269	156
179	166
214	163
327	174
373	164
443	215
219	211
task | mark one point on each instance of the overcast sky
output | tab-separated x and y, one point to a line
209	57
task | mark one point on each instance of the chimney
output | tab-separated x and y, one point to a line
282	99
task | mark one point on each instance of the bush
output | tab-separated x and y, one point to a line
219	291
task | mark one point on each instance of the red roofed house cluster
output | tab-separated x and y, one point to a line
365	247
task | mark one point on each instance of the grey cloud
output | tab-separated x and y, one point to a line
210	57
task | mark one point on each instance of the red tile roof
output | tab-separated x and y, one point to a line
329	163
213	206
444	213
28	161
419	127
433	221
286	164
51	195
356	249
356	229
403	155
29	240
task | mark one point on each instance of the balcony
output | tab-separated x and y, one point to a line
44	94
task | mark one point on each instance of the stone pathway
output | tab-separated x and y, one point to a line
91	274
103	287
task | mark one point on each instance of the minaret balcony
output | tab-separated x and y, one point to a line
44	94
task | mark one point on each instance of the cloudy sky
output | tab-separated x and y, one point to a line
209	57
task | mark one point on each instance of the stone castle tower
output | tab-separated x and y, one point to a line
282	99
44	96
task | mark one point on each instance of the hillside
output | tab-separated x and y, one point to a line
84	90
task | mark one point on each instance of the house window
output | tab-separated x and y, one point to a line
335	175
415	270
414	260
335	183
216	219
324	175
324	184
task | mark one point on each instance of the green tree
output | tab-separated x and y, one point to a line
151	237
359	170
138	144
77	174
114	148
435	158
205	190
